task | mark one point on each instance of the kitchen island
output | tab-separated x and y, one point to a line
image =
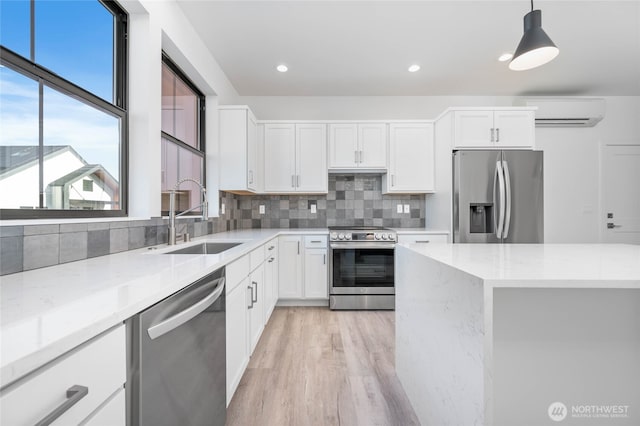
490	334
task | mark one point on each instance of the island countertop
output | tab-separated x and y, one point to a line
534	264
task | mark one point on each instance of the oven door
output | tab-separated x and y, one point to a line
362	268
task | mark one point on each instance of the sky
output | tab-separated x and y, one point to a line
73	39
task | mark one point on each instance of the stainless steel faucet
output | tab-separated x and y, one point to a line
172	210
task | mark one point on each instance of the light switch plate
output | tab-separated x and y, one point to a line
222	209
314	209
399	208
407	208
262	209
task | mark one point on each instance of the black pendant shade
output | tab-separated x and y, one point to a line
535	48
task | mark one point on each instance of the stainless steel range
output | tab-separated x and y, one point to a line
361	264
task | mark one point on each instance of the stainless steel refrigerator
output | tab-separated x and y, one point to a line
498	197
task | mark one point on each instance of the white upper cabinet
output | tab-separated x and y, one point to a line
513	128
295	158
239	154
411	159
353	146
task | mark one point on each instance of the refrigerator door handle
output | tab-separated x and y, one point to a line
499	177
507	201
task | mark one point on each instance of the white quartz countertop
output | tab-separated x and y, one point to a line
579	265
48	311
426	231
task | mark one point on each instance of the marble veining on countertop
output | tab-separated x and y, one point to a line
46	312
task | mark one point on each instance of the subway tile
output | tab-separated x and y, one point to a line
40	251
41	229
73	246
11	254
98	242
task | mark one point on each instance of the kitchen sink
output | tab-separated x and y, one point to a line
204	248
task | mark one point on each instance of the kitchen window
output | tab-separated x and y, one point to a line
182	138
62	109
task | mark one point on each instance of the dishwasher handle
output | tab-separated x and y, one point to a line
180	318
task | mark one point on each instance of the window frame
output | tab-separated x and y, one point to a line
201	151
118	109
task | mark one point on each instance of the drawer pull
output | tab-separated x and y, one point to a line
423	241
74	394
271	248
316	241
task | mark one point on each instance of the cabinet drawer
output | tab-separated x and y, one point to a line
257	257
315	241
236	271
422	238
113	413
99	365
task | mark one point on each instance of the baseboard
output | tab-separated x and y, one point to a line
303	302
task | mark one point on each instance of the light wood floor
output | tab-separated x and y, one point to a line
314	366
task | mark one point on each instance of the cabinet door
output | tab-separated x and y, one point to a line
279	157
290	268
256	312
514	129
113	413
343	145
411	158
372	141
315	274
233	150
237	340
472	129
252	152
311	152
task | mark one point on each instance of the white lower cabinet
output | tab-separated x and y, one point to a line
315	274
237	335
89	374
290	267
256	307
110	414
303	269
421	238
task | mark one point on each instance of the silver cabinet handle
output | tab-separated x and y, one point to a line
74	394
498	134
423	241
180	318
293	181
298	247
298	181
507	199
393	180
250	176
355	155
316	241
611	225
253	283
361	157
324	259
270	260
250	288
493	134
272	247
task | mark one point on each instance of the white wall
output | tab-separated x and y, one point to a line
572	201
156	26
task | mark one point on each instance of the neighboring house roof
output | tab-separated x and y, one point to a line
15	158
89	169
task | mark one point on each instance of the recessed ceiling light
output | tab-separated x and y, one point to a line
414	68
505	57
282	68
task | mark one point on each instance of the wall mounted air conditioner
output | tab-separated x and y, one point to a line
566	112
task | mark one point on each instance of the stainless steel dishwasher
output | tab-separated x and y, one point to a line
177	358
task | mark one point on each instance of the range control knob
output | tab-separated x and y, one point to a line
334	235
377	236
347	236
384	236
341	236
392	237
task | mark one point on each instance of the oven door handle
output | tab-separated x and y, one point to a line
377	245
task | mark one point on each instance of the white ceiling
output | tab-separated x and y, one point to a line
341	48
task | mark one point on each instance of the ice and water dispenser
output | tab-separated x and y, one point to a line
481	218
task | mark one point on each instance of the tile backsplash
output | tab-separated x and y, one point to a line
351	200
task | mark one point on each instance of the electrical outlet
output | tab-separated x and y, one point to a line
262	210
314	209
399	208
407	208
222	209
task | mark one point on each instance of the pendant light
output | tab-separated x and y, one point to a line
535	48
